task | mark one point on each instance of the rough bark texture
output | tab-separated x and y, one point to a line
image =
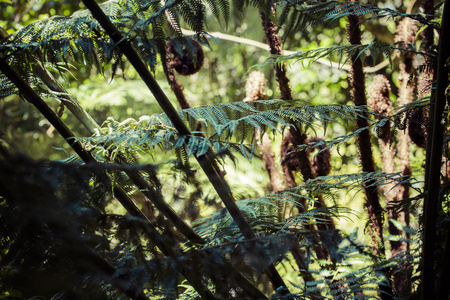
401	281
406	32
295	136
275	48
381	104
254	90
357	82
293	160
428	33
276	184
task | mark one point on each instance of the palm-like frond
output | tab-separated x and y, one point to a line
264	216
224	122
398	120
269	206
298	14
362	9
353	268
76	36
356	272
326	184
341	53
220	9
81	39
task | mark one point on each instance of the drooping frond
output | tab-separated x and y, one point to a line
356	271
220	9
339	140
119	240
76	36
353	268
355	181
296	15
399	121
226	119
230	126
361	9
341	53
81	39
264	215
260	4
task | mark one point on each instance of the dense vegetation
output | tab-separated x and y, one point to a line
147	154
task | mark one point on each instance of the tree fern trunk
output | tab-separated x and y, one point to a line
254	90
295	134
357	82
275	48
296	137
358	92
428	40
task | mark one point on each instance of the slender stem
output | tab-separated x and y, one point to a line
428	39
65	132
150	193
434	158
97	262
71	103
206	161
119	193
178	89
221	187
156	198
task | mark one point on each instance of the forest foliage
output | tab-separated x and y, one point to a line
220	149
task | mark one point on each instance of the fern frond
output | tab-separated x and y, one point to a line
220	9
266	115
399	121
81	39
67	35
223	121
355	8
358	270
340	53
296	15
264	216
327	184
